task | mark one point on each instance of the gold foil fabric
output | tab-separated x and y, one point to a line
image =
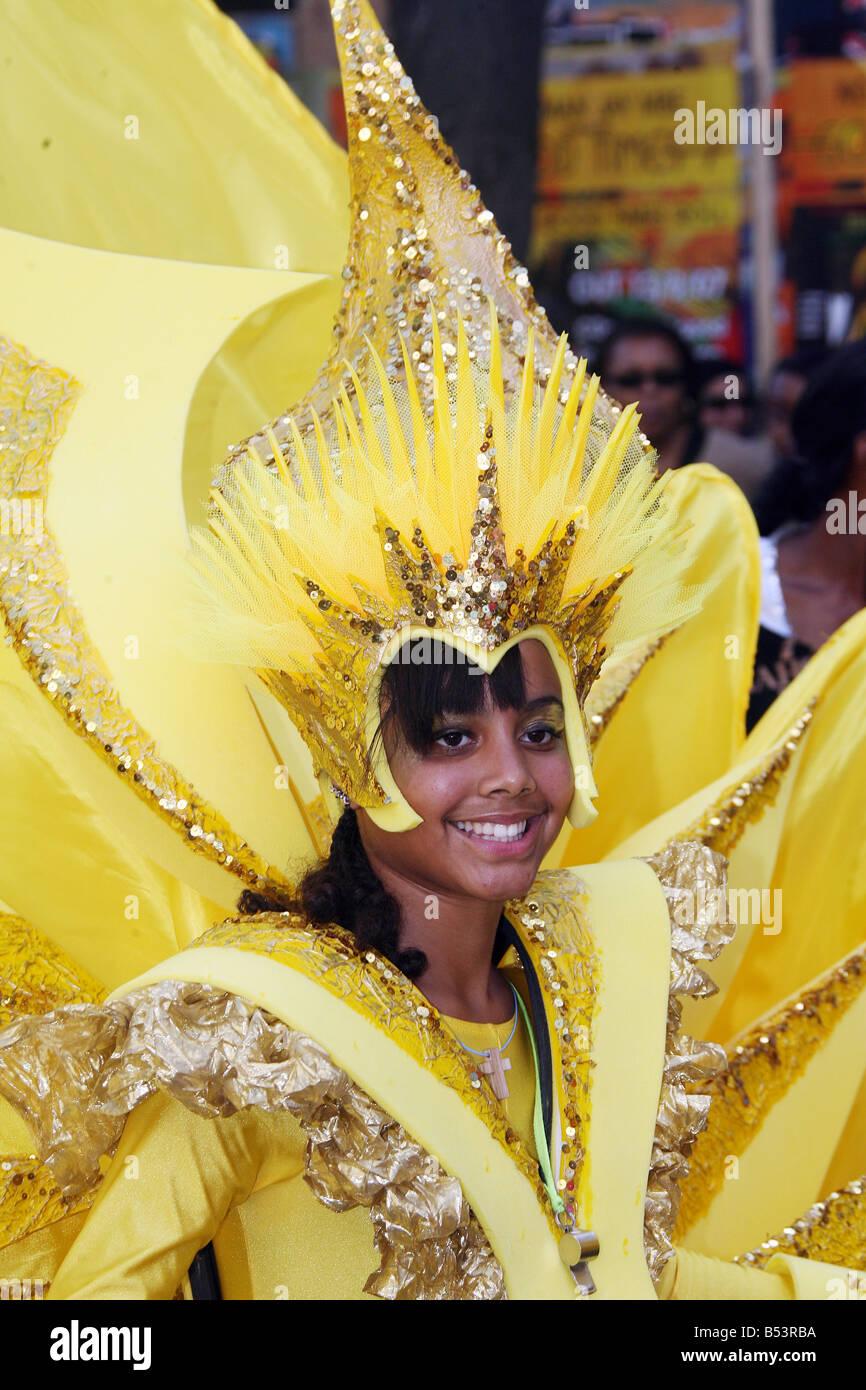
372	985
78	1071
693	878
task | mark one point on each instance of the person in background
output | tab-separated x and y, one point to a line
789	380
814	566
647	360
777	500
726	400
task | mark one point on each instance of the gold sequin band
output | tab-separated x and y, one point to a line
721	826
49	633
832	1231
761	1068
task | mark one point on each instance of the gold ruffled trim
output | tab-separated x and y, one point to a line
694	882
78	1072
372	985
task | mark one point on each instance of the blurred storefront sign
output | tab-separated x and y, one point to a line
822	200
607	133
824	151
659	222
677	256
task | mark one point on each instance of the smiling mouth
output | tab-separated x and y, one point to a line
513	833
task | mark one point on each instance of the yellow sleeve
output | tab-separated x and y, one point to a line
172	1182
690	1276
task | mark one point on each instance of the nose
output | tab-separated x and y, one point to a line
506	769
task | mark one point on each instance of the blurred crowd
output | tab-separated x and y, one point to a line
798	453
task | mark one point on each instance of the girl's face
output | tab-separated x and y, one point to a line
493	791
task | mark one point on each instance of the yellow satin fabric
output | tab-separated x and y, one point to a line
786	1277
160	135
808	852
178	1181
85	862
820	860
159	130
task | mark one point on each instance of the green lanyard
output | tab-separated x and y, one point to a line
538	1118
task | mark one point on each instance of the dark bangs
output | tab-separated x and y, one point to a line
429	678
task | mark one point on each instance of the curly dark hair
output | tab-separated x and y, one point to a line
343	888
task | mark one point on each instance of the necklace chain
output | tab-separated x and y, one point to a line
485	1052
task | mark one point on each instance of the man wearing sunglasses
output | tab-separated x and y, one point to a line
646	360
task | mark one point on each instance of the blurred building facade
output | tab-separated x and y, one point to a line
623	216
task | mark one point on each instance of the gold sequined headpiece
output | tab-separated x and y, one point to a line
451	475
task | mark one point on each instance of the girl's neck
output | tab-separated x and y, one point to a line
457	936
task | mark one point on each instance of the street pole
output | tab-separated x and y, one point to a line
762	190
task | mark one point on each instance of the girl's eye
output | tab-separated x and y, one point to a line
540	735
452	738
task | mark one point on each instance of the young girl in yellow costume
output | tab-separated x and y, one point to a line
410	524
354	572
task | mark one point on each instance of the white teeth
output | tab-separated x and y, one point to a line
492	830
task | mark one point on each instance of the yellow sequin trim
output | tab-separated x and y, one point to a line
35	977
761	1067
30	1199
699	874
721	826
559	943
833	1231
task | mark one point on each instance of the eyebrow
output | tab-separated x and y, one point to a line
544	700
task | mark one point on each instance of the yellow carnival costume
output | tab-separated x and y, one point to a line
452	474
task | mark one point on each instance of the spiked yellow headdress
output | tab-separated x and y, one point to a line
452	474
